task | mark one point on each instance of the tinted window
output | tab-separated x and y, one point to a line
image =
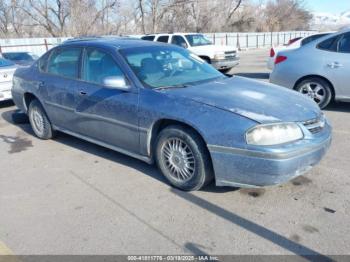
163	38
98	65
178	40
329	44
18	56
65	62
148	37
4	62
311	38
344	44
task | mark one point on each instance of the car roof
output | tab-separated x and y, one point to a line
117	42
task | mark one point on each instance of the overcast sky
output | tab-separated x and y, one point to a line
329	6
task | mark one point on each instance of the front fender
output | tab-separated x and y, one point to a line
216	126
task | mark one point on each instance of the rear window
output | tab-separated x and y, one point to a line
148	37
4	62
163	38
18	56
311	38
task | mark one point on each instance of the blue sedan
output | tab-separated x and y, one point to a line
160	103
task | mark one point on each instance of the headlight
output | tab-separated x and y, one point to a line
274	134
219	56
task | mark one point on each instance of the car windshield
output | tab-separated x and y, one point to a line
167	66
18	56
4	62
198	40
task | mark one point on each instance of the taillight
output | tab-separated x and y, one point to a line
272	52
280	59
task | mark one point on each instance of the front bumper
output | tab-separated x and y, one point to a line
5	91
225	63
254	168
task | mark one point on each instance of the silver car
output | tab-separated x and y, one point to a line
319	69
7	69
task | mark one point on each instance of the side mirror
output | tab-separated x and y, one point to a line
116	82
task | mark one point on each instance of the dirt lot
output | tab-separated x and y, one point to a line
67	196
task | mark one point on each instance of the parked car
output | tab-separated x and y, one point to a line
294	43
160	103
222	57
7	68
319	69
20	58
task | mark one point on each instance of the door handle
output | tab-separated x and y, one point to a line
83	93
334	65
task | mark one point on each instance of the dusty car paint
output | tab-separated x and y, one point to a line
220	111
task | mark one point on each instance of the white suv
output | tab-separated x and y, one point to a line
221	57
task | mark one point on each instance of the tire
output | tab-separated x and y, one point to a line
18	117
315	88
39	121
183	158
206	59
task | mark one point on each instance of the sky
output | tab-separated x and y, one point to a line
335	7
328	6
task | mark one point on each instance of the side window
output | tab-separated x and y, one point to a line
311	38
344	44
65	62
42	62
148	37
163	38
179	40
98	65
329	44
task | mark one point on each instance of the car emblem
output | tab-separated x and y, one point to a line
5	75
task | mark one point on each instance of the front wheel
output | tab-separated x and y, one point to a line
183	158
39	121
317	89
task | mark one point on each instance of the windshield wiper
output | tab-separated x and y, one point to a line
173	86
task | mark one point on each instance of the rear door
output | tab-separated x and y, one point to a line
58	77
103	113
337	64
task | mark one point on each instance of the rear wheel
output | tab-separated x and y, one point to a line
39	121
317	89
183	158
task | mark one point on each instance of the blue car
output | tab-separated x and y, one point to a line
160	103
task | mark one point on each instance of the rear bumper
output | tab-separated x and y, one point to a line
225	63
250	168
5	91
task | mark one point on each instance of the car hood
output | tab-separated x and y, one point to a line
259	101
213	48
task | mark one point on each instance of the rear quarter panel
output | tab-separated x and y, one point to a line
301	62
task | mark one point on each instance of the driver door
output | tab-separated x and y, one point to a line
106	114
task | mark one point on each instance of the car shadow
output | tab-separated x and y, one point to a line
6	103
263	232
254	75
102	152
338	107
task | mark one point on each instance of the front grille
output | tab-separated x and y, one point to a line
230	54
315	125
